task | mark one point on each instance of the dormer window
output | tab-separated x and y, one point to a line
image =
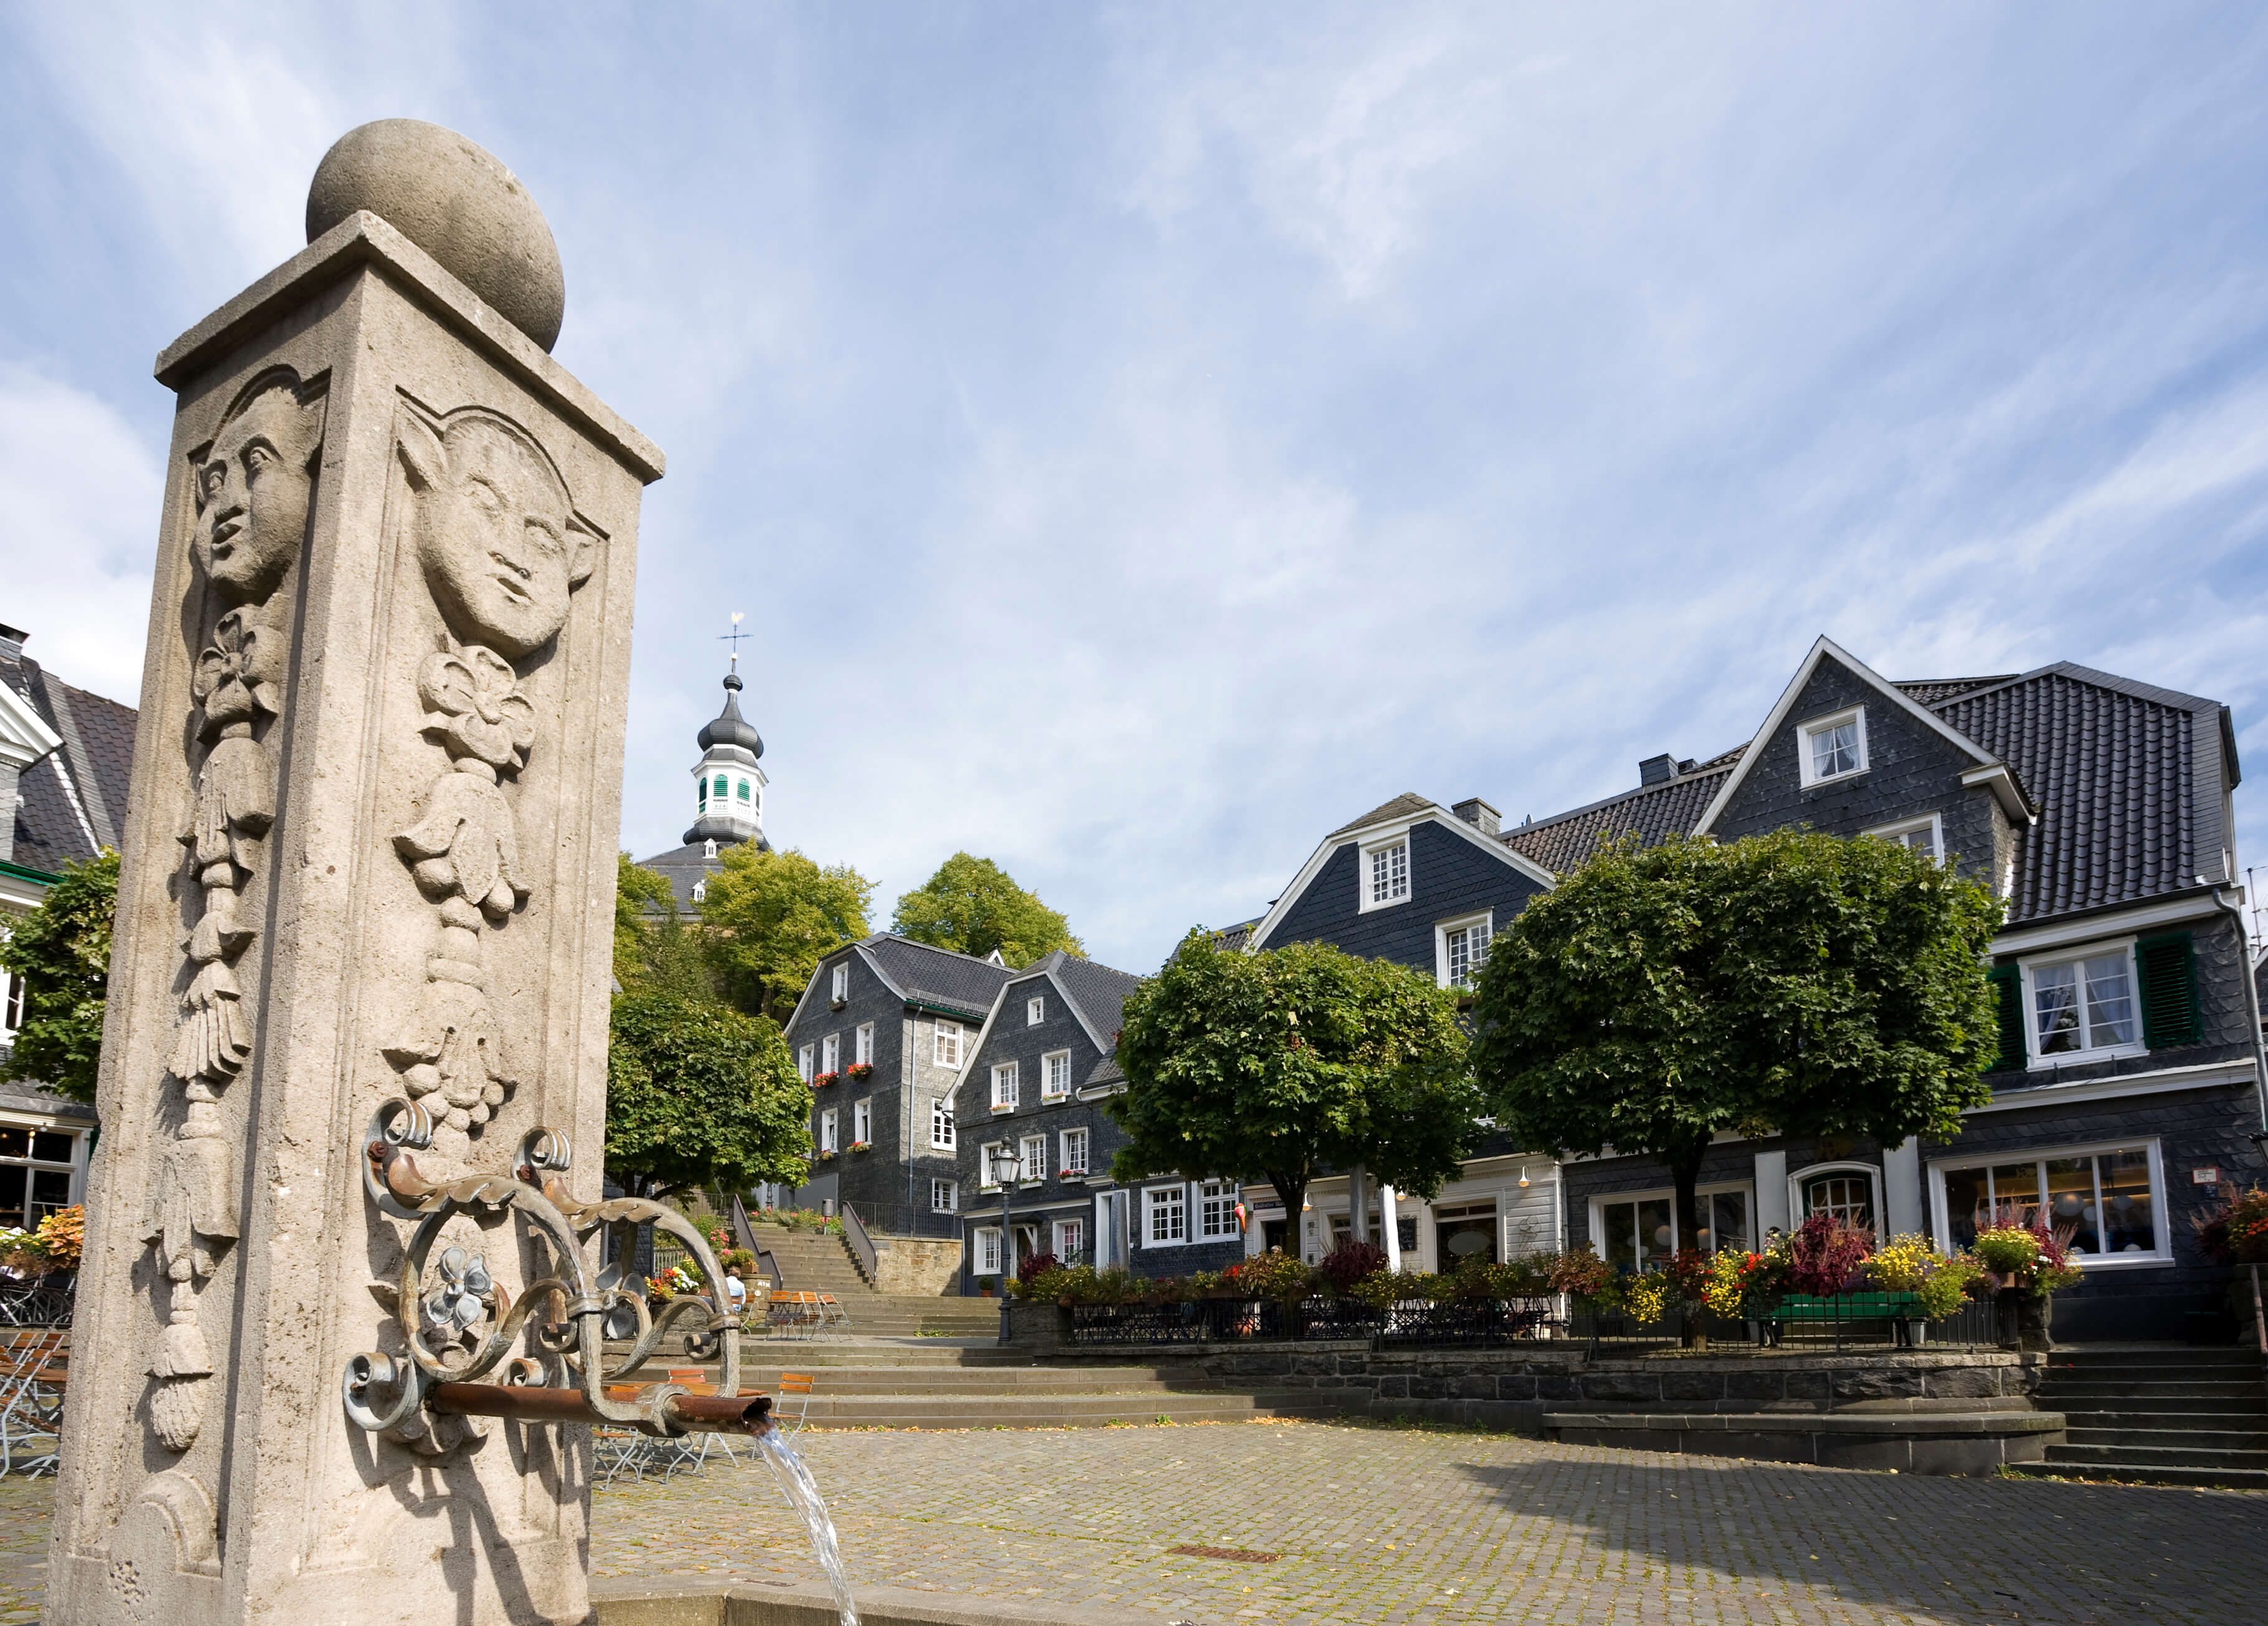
1834	747
708	848
700	890
1385	873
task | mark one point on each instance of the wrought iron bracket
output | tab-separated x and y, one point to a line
383	1391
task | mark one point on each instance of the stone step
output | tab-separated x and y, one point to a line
2243	1426
2132	1389
2171	1355
2140	1447
980	1381
2147	1474
993	1411
2085	1430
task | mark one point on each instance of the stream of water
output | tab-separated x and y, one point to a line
802	1492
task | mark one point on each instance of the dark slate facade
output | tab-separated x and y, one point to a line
2098	807
903	993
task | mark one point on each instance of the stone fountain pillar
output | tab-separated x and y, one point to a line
371	854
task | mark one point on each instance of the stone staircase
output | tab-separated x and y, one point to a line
812	1262
881	1383
2155	1414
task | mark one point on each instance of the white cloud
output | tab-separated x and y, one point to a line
84	511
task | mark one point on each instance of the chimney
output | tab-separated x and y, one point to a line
1472	810
1657	769
11	645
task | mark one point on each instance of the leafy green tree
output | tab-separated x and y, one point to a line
636	890
699	1094
661	950
772	916
1791	981
1280	1064
972	905
62	950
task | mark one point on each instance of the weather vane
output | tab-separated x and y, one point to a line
734	639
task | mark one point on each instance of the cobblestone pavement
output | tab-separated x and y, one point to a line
1375	1523
1378	1524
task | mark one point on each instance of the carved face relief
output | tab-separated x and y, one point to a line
254	486
496	534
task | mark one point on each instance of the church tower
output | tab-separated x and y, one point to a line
728	782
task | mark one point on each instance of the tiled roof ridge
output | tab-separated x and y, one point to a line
899	937
2072	671
1715	765
1408	802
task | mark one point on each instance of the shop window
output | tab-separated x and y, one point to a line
2099	1200
1640	1232
30	1192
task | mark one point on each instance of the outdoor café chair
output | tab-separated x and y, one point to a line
34	1372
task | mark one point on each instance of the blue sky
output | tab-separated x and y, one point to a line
1143	439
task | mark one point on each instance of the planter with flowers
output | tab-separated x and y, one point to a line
825	1154
862	1145
2234	1231
859	1073
820	1081
2028	1264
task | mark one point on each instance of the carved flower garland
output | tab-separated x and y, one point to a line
473	706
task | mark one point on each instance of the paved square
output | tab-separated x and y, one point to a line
1378	1523
1381	1524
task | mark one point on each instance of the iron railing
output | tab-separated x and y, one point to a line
1833	1322
38	1300
1468	1323
862	1246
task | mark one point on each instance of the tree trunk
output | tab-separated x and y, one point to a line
1684	1175
1292	1191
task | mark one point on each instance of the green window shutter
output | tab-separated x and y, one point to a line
2168	966
2008	983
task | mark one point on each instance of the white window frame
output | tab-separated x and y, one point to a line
700	891
941	1137
862	1046
988	1250
1007	1086
804	1059
1157	1201
1031	1159
946	1044
1069	1142
1799	1211
1055	1076
1485	920
1930	822
862	1119
985	1160
1606	1199
828	1118
839	981
1807	730
1035	1010
2160	1220
1367	856
1069	1238
830	1053
1215	1203
2036	1061
944	1195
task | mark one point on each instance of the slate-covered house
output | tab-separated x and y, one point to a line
1427	885
2131	1079
65	757
883	1033
1039	1073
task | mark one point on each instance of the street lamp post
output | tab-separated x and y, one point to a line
1003	1168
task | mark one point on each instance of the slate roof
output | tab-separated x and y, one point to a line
682	866
1565	841
22	1095
959	984
2128	780
74	800
1408	804
1231	938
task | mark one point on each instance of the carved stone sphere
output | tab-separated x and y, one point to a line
456	201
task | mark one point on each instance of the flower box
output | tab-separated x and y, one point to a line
862	1145
825	1152
820	1081
1071	1174
859	1073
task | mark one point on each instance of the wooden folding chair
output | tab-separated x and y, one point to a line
34	1371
